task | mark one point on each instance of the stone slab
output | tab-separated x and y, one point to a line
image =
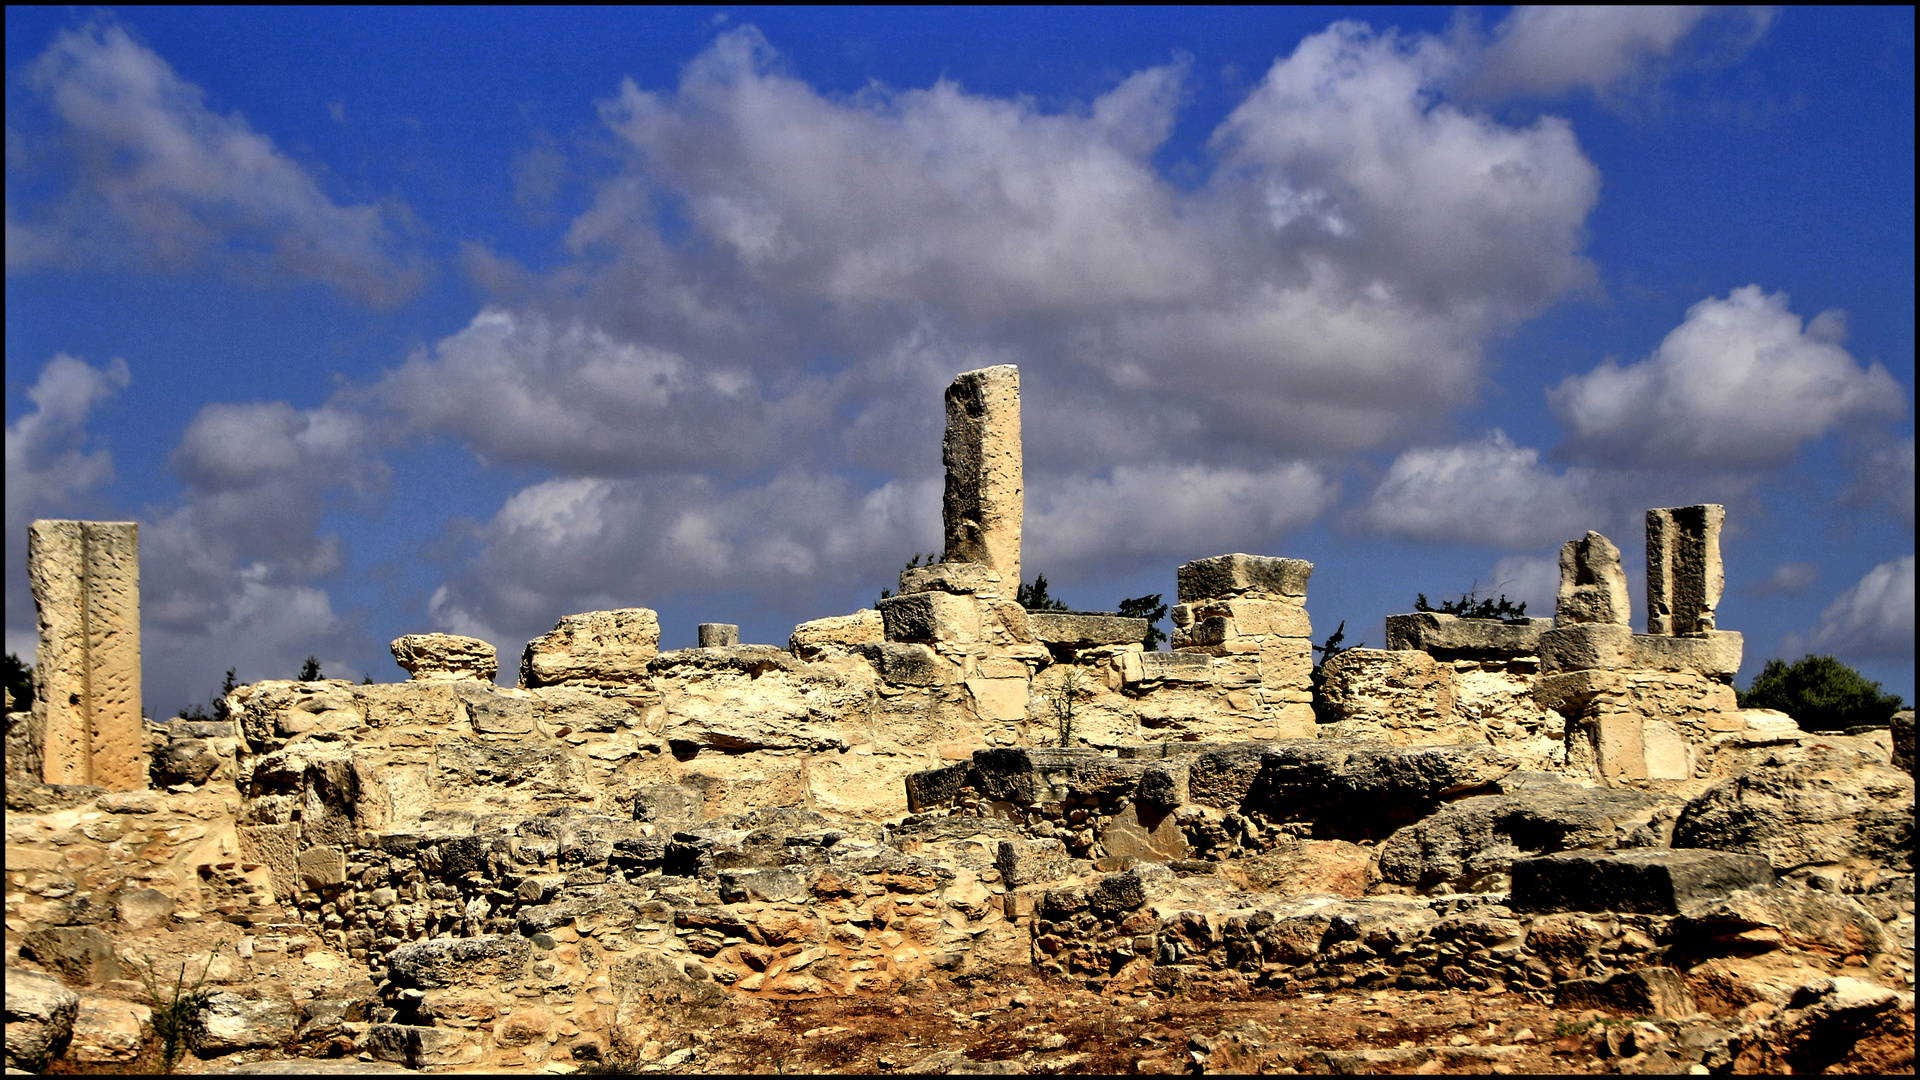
1084	630
1654	991
1593	588
970	578
1586	647
1709	652
1685	576
1223	576
1449	637
442	657
1656	881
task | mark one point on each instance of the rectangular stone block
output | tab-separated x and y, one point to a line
1286	664
323	866
985	494
1709	652
973	578
1232	575
935	787
810	639
931	618
85	577
1027	862
1648	881
1586	647
1081	631
1449	637
1655	991
1684	574
594	648
906	664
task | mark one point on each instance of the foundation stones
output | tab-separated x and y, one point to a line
1593	588
445	657
595	648
86	587
985	492
1684	573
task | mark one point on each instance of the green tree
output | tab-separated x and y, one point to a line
1151	609
310	671
19	678
1034	597
216	709
1821	693
1473	606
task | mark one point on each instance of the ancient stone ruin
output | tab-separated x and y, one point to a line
631	856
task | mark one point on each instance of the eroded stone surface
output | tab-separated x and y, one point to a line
596	648
1593	588
444	657
85	577
1685	576
985	488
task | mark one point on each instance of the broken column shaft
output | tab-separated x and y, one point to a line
85	577
1684	573
985	495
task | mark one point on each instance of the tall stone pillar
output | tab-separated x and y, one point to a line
86	587
986	494
1684	573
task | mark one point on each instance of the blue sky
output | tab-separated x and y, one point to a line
387	320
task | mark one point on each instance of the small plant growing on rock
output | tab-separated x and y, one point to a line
1473	606
1072	685
176	1012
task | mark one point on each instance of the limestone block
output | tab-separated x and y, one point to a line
985	493
752	697
429	704
838	632
868	786
1585	647
928	788
85	577
443	962
905	664
1338	867
1593	588
1286	664
1685	576
323	866
1653	991
40	1015
466	771
1658	881
1004	700
109	1031
1450	637
1709	652
1170	667
1806	805
143	909
1079	630
738	783
932	618
597	647
1403	698
1027	862
277	848
1235	575
495	711
82	955
972	578
429	657
713	635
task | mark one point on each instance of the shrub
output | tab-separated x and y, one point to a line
1472	606
310	671
1151	609
176	1011
1034	597
931	558
1330	649
1821	693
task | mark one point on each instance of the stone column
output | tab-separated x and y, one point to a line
86	587
1684	574
985	495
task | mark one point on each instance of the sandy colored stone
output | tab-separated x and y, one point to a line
1593	587
1403	698
441	657
1240	574
85	577
985	490
809	639
594	648
1685	576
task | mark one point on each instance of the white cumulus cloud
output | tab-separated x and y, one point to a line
1489	491
160	179
1874	619
1741	383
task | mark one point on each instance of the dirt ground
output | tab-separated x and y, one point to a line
1018	1022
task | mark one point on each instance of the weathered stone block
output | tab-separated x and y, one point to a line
935	787
716	635
498	712
1026	862
1659	881
427	965
904	664
1654	991
665	803
323	866
82	955
1405	698
1078	630
234	1022
596	647
985	488
1709	652
1585	647
1233	575
970	578
85	577
931	618
809	639
1685	576
1449	637
438	657
40	1015
1593	588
